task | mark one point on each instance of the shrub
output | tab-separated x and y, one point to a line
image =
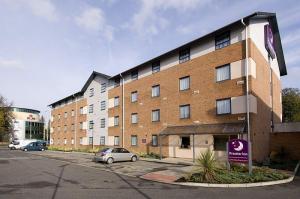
208	165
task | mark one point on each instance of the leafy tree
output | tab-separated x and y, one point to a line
6	119
291	104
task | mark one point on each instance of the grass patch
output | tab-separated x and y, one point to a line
150	155
66	149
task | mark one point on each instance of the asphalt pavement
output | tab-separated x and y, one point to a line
29	175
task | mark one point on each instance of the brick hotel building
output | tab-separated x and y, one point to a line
185	101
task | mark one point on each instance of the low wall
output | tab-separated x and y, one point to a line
288	141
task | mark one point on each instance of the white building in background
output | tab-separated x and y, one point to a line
28	124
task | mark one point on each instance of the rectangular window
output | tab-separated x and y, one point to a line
72	113
156	91
156	115
72	127
72	141
220	142
184	111
155	67
154	140
185	142
80	125
117	82
65	128
58	116
102	123
223	106
184	83
184	55
91	108
116	121
134	118
116	140
80	141
223	72
81	110
103	87
90	140
116	101
65	141
134	75
223	40
134	140
91	92
91	124
66	115
134	96
102	140
103	105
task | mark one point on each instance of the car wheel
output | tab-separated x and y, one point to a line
133	159
25	149
110	161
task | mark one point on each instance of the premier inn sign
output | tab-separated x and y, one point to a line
269	41
237	150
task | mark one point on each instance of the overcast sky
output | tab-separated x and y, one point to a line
48	48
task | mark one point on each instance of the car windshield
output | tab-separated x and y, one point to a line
104	150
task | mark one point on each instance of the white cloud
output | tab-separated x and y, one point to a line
292	38
11	63
41	8
93	19
149	20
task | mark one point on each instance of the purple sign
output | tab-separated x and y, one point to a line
237	150
269	41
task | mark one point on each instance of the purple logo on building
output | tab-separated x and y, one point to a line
269	41
237	150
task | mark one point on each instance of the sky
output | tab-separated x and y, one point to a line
49	48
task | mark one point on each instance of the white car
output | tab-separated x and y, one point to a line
17	144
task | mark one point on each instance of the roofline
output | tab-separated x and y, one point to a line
92	76
66	98
26	108
272	19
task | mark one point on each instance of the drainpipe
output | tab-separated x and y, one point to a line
247	100
123	112
75	139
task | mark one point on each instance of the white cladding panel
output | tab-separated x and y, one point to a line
238	104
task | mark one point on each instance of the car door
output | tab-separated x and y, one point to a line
116	154
126	155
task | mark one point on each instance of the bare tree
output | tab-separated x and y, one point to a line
6	119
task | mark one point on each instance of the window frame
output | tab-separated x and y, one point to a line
134	75
230	106
137	119
102	138
91	124
154	135
118	138
116	117
91	108
223	66
189	146
184	55
103	105
134	136
134	92
155	86
155	67
220	37
116	98
91	92
102	123
181	78
158	110
103	88
91	138
189	108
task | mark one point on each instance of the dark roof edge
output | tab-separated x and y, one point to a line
278	49
66	98
34	110
90	79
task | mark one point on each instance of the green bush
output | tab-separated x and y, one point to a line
150	155
208	164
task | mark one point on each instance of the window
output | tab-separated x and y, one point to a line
116	121
65	141
72	113
72	141
155	91
134	96
184	111
156	115
90	140
134	118
103	105
91	108
185	142
154	140
134	75
81	110
58	129
223	73
184	83
72	127
222	40
91	124
103	87
155	67
223	106
134	140
102	140
102	123
80	141
220	142
58	116
91	92
116	101
65	128
81	125
116	140
117	82
66	115
184	55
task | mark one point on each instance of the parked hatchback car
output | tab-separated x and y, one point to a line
35	146
110	155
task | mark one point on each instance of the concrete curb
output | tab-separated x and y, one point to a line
166	162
